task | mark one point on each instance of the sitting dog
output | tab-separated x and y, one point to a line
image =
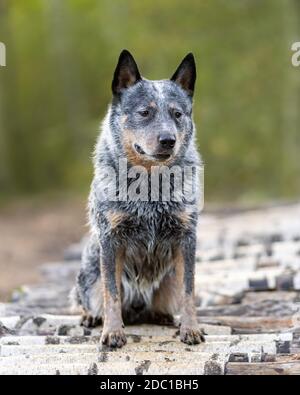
139	262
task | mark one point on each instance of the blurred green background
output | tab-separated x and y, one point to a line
56	87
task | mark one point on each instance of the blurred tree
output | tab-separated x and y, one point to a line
56	87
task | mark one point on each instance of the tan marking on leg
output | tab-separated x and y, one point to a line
113	334
179	270
190	332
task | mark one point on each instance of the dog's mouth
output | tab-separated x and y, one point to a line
161	157
157	157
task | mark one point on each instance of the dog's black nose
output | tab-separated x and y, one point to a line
167	141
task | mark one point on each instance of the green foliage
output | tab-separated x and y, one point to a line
56	87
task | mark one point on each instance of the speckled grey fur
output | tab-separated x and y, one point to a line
151	232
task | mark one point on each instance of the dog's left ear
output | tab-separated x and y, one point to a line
126	73
185	75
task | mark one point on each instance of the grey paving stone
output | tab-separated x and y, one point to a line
247	292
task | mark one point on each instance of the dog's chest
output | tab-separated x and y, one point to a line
150	227
149	251
150	239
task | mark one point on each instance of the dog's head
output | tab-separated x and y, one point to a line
153	118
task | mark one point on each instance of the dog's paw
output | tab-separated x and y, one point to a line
191	335
88	321
113	339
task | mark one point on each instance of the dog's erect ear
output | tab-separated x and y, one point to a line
126	73
185	75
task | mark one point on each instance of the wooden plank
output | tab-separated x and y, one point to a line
251	324
145	367
283	358
280	296
263	368
272	308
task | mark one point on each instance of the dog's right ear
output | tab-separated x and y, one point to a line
126	73
185	75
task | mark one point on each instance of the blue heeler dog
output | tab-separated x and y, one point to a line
139	262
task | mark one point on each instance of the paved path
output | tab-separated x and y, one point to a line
248	298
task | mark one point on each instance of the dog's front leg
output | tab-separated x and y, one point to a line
190	332
113	334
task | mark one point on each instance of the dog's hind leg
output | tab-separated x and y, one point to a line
87	294
176	293
166	301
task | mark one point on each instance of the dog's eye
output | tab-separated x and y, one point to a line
177	114
144	113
